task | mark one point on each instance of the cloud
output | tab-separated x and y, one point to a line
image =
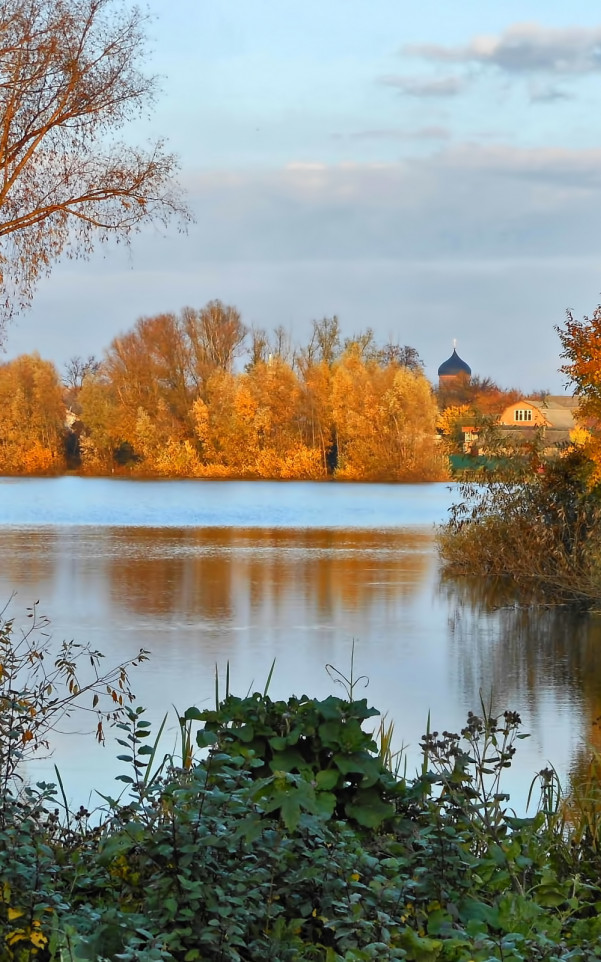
546	94
574	170
425	87
465	201
487	244
397	133
524	48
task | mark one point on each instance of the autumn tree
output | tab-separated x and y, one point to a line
315	363
77	368
324	344
581	343
385	421
148	373
215	335
404	356
259	348
101	415
32	417
71	77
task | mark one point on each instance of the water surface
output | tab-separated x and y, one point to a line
206	573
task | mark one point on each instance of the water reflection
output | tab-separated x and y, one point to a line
222	574
200	596
27	560
546	658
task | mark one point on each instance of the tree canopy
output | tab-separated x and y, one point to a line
71	78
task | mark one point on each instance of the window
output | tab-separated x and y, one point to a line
522	414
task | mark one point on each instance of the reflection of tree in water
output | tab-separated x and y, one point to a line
160	572
522	652
26	560
210	573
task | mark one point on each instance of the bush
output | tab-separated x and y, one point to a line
537	522
288	838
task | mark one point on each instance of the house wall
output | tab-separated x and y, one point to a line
536	419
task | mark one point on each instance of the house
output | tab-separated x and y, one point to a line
552	418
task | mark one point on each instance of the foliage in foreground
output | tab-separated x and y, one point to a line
291	839
537	522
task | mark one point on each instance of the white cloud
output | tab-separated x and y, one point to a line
524	48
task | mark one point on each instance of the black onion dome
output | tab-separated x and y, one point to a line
454	366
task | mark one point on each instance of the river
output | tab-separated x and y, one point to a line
208	573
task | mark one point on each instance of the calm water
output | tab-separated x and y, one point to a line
202	573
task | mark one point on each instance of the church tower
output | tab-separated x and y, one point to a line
452	370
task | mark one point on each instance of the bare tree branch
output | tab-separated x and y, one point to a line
70	80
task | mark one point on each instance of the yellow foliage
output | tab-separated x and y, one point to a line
302	463
38	459
385	419
32	934
32	415
200	414
267	464
213	471
580	437
453	417
177	459
245	405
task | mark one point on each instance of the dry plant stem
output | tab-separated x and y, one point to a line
41	687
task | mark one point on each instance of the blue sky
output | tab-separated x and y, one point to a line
432	171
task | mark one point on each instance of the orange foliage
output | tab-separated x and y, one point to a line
32	416
581	342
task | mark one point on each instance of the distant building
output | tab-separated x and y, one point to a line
554	417
452	370
551	419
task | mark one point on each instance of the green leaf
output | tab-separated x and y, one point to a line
368	809
290	812
193	714
550	896
327	779
324	804
288	761
204	738
359	763
420	949
245	733
278	743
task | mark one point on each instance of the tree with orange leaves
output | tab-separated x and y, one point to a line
581	343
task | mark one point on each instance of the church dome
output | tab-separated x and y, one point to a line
454	367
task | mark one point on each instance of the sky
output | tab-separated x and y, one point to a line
431	171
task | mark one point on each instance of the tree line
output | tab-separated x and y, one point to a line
169	399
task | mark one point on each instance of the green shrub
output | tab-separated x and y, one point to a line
287	838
